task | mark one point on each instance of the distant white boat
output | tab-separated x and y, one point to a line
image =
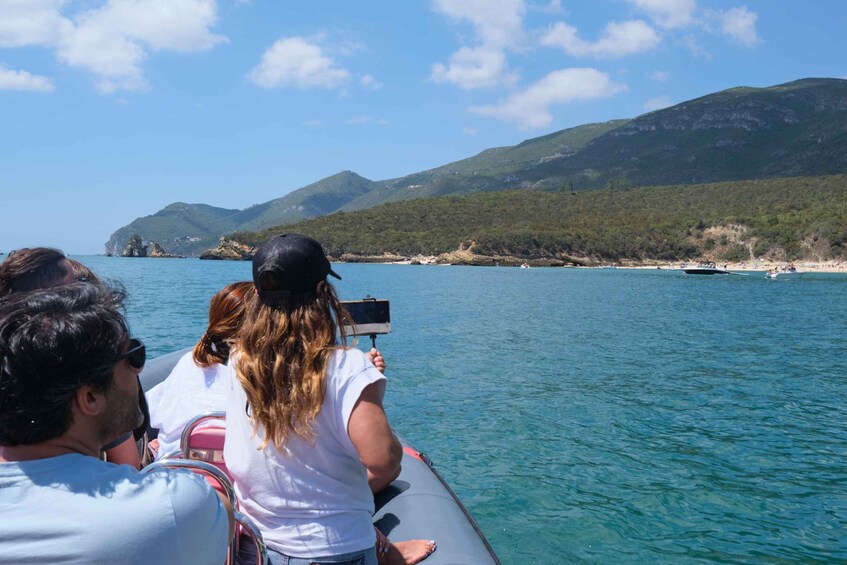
788	272
525	266
705	268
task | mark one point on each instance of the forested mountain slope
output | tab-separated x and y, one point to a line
794	129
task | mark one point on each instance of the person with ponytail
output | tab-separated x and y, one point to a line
196	384
307	439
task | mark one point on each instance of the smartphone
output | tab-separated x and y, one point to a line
370	316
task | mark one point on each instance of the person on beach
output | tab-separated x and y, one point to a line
307	439
68	385
45	267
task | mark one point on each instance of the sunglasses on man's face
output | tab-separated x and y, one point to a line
136	354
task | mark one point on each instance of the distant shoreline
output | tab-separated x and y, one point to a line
744	266
832	266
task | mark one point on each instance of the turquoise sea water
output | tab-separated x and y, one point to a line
598	416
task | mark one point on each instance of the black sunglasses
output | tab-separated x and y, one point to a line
136	354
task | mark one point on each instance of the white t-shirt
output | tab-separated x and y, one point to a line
187	392
315	500
78	509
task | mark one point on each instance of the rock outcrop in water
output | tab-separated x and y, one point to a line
157	251
230	250
134	247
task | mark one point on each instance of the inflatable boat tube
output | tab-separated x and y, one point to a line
418	505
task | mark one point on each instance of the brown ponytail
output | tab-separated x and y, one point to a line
226	312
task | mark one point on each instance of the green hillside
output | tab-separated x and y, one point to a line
190	229
794	129
182	229
780	219
493	169
317	199
798	128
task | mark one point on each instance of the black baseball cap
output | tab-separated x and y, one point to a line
289	264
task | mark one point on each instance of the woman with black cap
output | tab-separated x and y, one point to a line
307	438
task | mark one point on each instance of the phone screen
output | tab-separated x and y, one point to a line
370	317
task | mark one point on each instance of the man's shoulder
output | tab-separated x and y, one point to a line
163	494
174	514
79	473
106	489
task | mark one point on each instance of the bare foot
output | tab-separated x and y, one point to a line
407	552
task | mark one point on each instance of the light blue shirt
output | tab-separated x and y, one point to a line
78	509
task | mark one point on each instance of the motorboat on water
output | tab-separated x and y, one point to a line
419	504
785	272
705	268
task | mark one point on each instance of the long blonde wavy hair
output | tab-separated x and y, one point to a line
283	352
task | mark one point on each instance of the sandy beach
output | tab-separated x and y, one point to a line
756	266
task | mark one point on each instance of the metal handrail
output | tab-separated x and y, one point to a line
192	425
205	469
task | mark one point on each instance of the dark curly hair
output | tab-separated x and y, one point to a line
31	268
53	341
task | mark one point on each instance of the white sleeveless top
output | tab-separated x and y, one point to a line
315	499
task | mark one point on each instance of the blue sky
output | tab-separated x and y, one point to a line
111	110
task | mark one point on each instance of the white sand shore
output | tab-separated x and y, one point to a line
763	266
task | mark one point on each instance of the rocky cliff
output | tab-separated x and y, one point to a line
157	251
134	247
230	250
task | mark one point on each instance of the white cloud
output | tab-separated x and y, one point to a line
553	7
498	26
668	13
296	62
474	67
659	76
365	119
104	50
368	81
497	23
657	103
617	40
31	22
313	123
691	43
22	80
173	25
531	108
470	131
739	24
113	40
